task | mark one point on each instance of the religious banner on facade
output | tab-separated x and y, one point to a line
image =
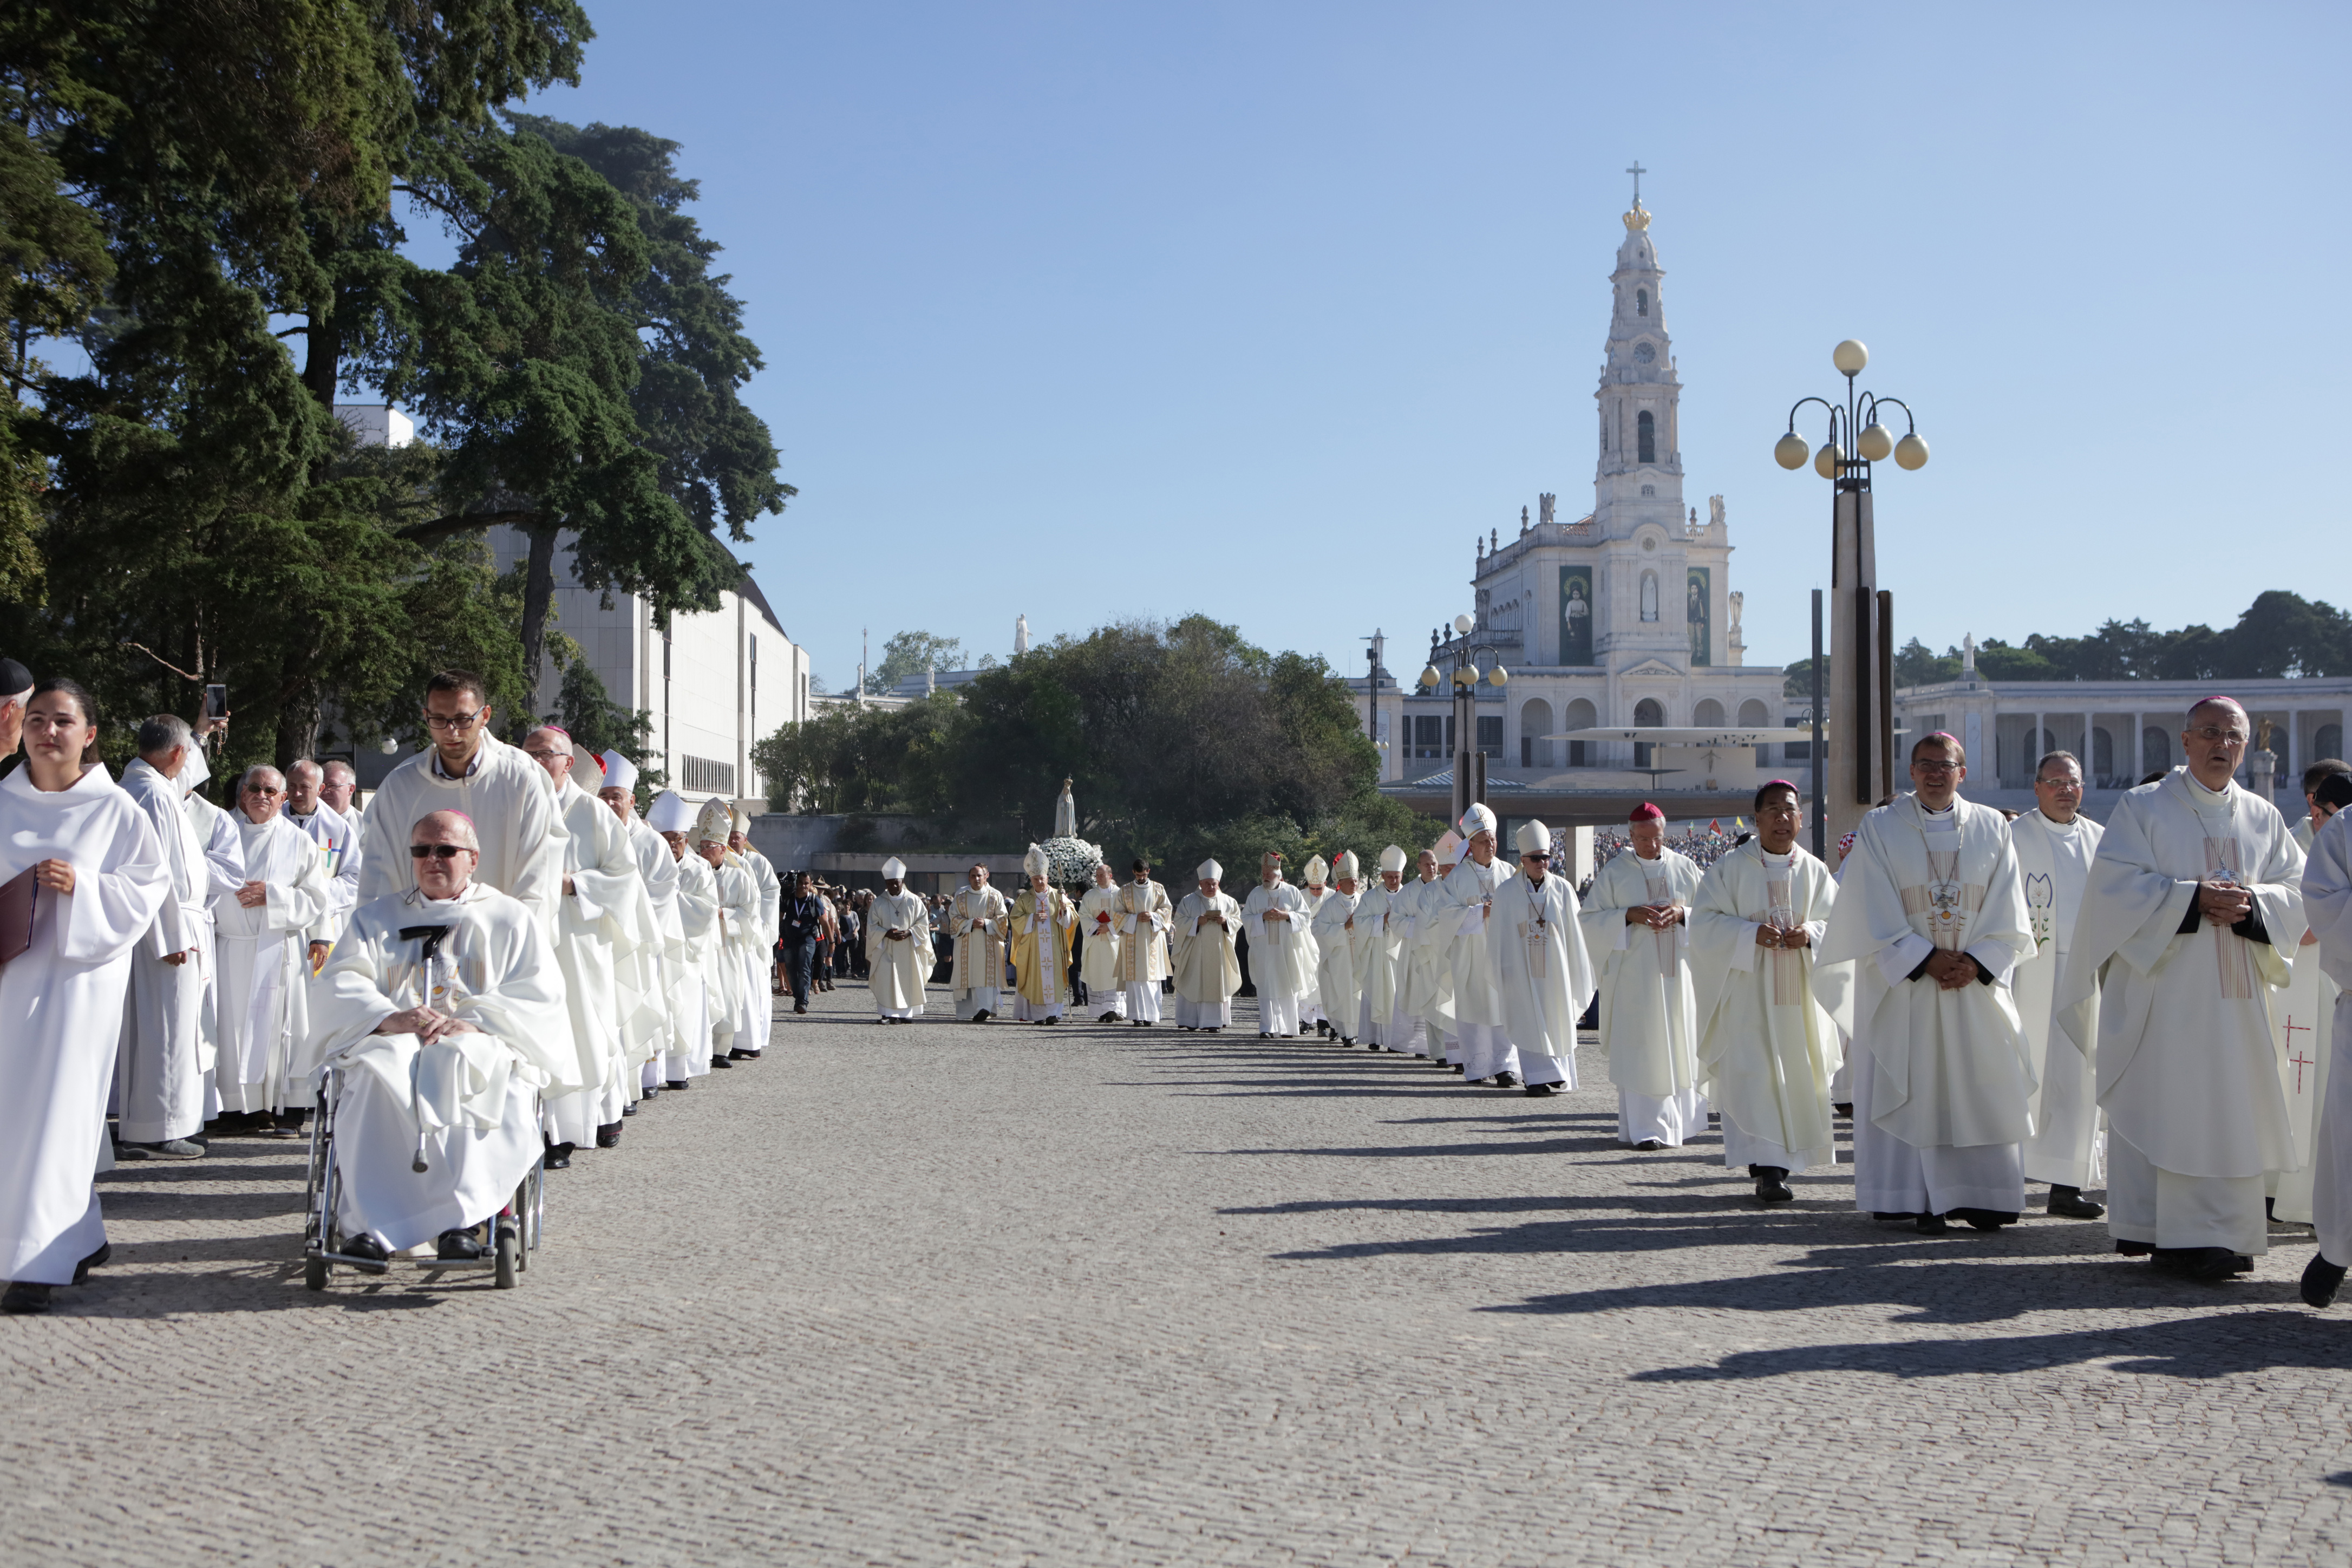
1576	615
1701	617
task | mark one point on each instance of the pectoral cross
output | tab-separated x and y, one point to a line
2293	1029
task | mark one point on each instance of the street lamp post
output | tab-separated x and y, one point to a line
1469	761
1860	703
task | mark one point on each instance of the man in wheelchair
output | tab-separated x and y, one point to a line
444	1018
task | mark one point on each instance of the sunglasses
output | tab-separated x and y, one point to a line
437	851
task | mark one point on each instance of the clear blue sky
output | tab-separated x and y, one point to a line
1265	311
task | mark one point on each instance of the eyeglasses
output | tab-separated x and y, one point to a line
2210	732
460	722
1935	770
2061	784
543	756
437	851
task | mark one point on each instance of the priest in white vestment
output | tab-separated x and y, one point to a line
1426	965
976	936
1098	948
1311	1012
2194	902
1332	929
2056	845
759	941
898	947
743	987
1636	919
2303	1015
697	1002
1539	967
99	879
1771	1014
2328	902
446	1017
1281	952
1464	909
225	870
159	1063
336	836
592	930
1382	1021
265	929
466	768
646	974
1145	919
1043	926
1931	911
1207	970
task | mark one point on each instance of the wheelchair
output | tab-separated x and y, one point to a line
516	1229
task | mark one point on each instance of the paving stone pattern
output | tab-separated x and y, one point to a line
1007	1294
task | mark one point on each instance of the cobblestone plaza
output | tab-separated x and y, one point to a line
1007	1294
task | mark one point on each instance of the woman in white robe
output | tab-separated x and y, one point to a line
99	877
264	932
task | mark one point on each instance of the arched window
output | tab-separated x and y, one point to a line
1641	301
1535	723
1648	714
2102	757
1645	434
2328	744
1649	590
2155	750
1754	715
1581	715
1707	715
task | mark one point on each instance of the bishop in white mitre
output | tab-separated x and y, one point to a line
1315	890
741	990
1426	966
2327	902
2055	846
2303	1015
1145	919
1462	921
646	974
760	940
698	1002
265	931
1098	947
99	880
1381	915
159	1063
2194	902
1332	930
898	947
1043	923
1207	971
976	914
1281	951
1771	1014
1931	911
1541	970
445	1020
1636	919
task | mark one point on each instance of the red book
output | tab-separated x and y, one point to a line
17	897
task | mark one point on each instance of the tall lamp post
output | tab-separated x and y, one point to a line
1859	702
1469	761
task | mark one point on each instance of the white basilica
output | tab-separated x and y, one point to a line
1624	619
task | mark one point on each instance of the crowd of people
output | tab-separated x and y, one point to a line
497	961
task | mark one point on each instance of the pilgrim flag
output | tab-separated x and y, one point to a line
1715	824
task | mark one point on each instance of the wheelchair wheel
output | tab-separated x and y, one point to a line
510	1249
314	1273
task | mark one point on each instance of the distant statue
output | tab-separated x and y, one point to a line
1715	511
1694	518
1735	600
1544	504
1019	634
1968	654
1495	538
2263	734
1065	815
1523	522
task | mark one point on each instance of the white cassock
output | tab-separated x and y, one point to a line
2181	1022
1312	1009
652	978
1207	970
760	945
593	927
976	918
467	1102
1282	955
159	1063
224	865
1456	913
1941	1079
265	969
338	840
1380	1015
1144	920
1426	968
897	969
1099	951
703	992
2328	901
1649	1008
739	905
505	794
1337	989
2053	862
61	1010
1541	972
1769	1019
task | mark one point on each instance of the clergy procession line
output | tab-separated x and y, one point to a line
1989	1002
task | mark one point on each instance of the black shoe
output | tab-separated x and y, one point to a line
23	1296
2068	1203
1772	1184
285	1124
559	1157
457	1246
1107	1018
2207	1264
608	1136
630	1109
675	1085
1648	1146
719	1064
1844	1108
2135	1249
367	1254
1931	1224
1506	1080
1983	1219
1054	1019
740	1055
2321	1279
1458	1066
982	1016
95	1261
1214	1029
1543	1090
800	1007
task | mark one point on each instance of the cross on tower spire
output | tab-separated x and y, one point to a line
1637	172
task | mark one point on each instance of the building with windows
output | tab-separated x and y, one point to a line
1624	619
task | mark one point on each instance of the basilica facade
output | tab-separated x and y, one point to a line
1623	619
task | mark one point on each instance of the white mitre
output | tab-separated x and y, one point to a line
1392	858
1476	820
1209	871
894	870
619	772
1032	864
1350	868
669	813
1317	869
712	824
1535	838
